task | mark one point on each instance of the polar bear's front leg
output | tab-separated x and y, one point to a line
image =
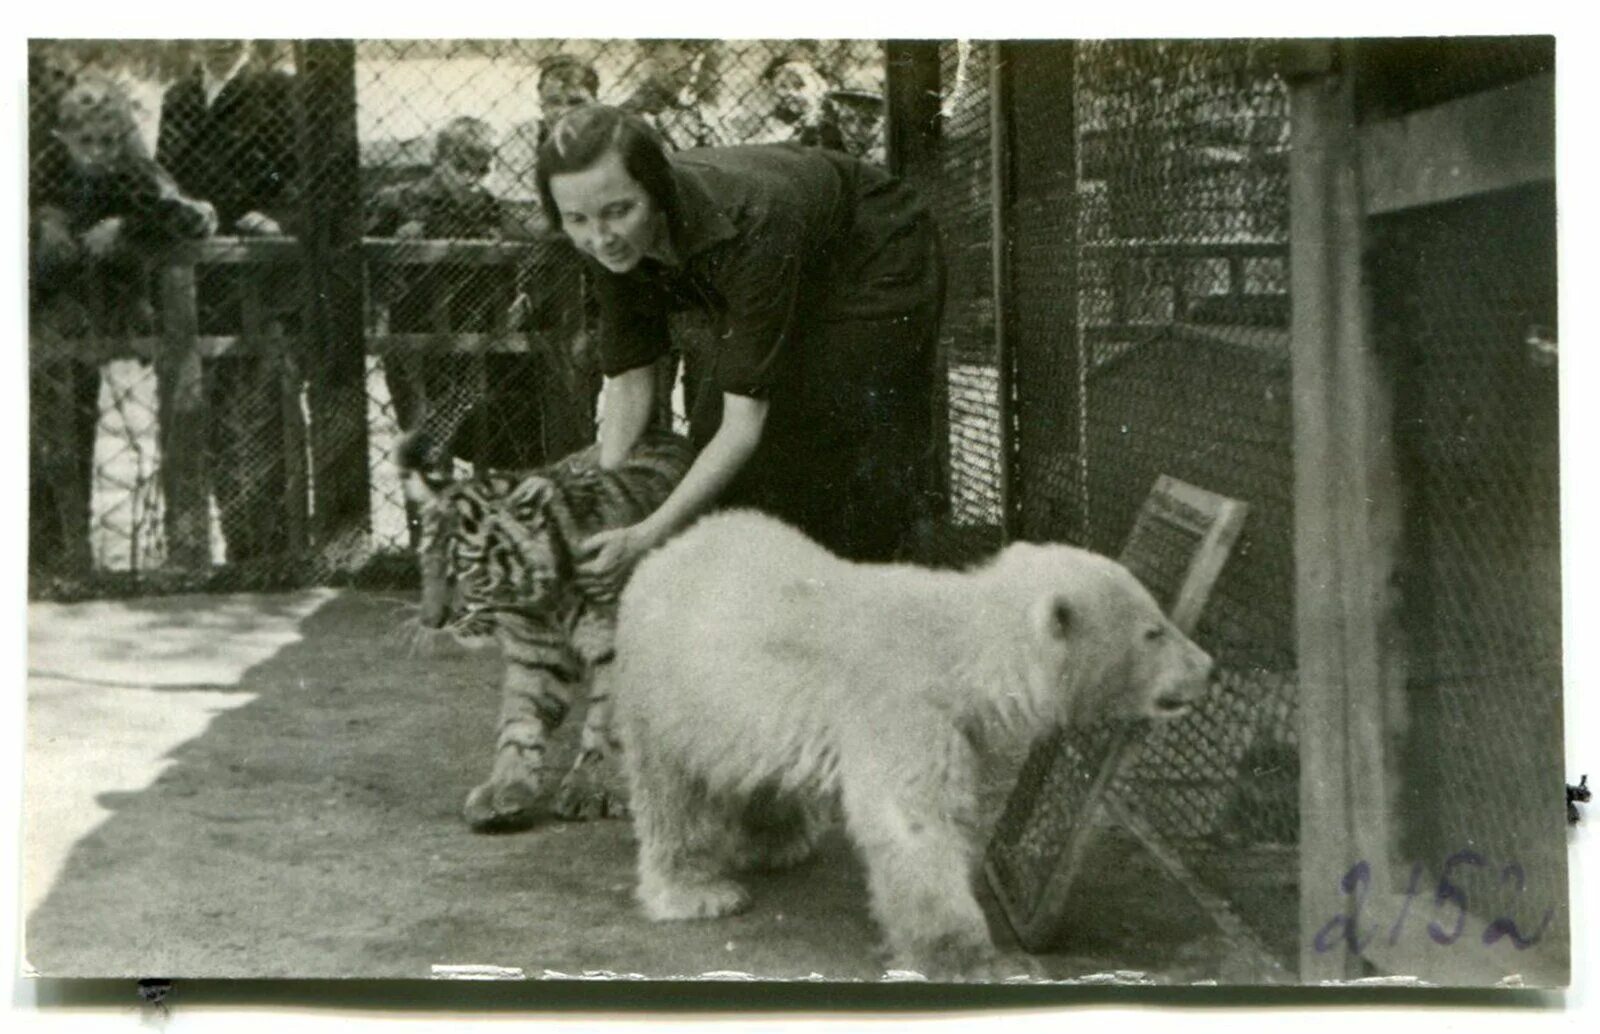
684	840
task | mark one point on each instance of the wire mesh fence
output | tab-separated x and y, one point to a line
1115	224
1145	323
1184	367
153	156
1478	437
961	193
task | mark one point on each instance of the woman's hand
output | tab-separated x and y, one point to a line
605	559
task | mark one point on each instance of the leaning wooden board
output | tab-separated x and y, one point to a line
1180	541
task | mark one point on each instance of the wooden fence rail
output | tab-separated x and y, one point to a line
261	271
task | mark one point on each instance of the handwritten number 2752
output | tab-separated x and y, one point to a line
1346	927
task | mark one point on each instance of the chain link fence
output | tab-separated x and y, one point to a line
1115	221
1478	439
1143	306
474	316
1184	311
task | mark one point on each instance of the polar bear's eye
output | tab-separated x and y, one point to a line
1154	632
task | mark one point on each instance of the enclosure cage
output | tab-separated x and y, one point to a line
1255	267
222	413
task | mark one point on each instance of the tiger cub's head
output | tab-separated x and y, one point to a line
486	545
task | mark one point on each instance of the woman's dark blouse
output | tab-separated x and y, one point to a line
772	239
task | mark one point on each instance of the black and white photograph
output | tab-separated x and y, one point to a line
928	510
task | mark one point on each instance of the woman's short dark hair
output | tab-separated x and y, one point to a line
585	134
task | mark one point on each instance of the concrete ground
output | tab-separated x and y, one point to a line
268	786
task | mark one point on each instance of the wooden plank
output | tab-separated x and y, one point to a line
224	346
1184	249
1347	511
468	344
1213	522
282	359
1226	520
183	418
1001	238
1325	211
1037	923
1045	327
911	90
235	251
334	292
456	252
1246	947
1499	138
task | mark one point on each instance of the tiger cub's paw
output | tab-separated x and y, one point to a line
581	799
501	808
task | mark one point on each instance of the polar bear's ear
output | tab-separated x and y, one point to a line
1053	617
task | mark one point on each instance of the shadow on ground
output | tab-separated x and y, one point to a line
314	832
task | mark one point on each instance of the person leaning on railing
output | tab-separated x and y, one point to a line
440	391
101	210
227	134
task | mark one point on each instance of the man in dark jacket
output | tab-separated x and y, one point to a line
228	135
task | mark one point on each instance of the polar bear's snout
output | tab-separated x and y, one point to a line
1182	684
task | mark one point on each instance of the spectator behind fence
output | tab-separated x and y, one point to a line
497	421
858	111
227	134
101	209
794	109
667	96
565	82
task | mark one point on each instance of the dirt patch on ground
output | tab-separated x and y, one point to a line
315	832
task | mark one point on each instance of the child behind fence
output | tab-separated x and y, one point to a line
101	212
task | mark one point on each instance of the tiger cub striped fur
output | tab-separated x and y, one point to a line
496	553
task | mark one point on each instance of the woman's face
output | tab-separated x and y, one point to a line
608	214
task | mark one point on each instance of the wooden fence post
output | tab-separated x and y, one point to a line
335	295
1347	524
912	133
183	421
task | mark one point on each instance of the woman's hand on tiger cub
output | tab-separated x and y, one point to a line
605	559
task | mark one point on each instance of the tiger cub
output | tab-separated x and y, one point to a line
496	553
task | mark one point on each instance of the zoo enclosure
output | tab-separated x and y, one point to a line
234	427
1262	269
1119	222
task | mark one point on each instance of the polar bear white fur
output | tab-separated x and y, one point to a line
756	670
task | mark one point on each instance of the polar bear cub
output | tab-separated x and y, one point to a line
759	675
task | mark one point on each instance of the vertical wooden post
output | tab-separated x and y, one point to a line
911	121
1045	338
184	419
1001	243
912	136
335	334
1347	521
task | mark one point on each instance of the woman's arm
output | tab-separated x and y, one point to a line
606	558
629	402
712	471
